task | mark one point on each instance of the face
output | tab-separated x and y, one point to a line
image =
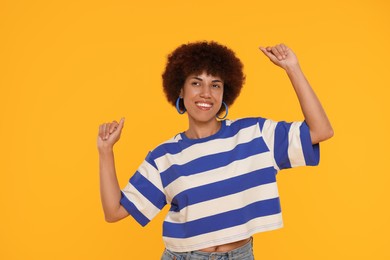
202	96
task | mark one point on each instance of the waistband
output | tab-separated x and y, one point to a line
238	253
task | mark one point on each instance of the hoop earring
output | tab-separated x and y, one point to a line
226	110
178	106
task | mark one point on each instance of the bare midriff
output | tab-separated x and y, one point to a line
226	247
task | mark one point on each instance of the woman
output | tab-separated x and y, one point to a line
219	176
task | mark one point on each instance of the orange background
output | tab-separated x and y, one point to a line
67	66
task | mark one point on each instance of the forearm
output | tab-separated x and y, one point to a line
110	192
314	113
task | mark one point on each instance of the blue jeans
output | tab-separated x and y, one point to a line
242	253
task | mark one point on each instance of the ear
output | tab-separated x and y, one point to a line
181	92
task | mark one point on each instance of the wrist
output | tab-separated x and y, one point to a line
294	71
105	149
293	68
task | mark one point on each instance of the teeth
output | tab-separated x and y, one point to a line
204	105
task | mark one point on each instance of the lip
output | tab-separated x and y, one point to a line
204	105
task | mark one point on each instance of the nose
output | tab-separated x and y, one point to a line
205	92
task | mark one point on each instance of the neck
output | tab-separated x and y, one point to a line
202	130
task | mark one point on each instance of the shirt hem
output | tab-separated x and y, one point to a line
226	240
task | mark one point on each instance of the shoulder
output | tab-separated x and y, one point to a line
171	146
245	122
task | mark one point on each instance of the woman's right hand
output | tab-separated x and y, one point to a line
109	134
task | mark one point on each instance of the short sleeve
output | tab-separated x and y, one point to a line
290	143
143	197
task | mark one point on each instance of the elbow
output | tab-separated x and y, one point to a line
326	135
331	133
115	215
322	136
111	218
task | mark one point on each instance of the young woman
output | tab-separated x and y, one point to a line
219	176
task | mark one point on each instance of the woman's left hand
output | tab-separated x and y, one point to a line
281	55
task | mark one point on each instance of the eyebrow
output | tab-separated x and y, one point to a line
215	80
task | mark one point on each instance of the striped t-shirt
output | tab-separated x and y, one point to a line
221	188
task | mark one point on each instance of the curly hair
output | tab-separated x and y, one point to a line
197	57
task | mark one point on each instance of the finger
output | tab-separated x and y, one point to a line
106	133
102	131
285	49
277	52
100	134
264	50
267	52
281	50
121	123
113	126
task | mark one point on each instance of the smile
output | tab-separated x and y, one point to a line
203	105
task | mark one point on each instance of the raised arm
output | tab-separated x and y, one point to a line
110	192
314	113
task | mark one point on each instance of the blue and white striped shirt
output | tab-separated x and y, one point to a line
221	188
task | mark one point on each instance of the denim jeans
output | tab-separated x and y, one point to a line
242	253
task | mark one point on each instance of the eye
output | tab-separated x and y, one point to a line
216	86
195	83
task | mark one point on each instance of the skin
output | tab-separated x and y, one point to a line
110	193
314	113
202	96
